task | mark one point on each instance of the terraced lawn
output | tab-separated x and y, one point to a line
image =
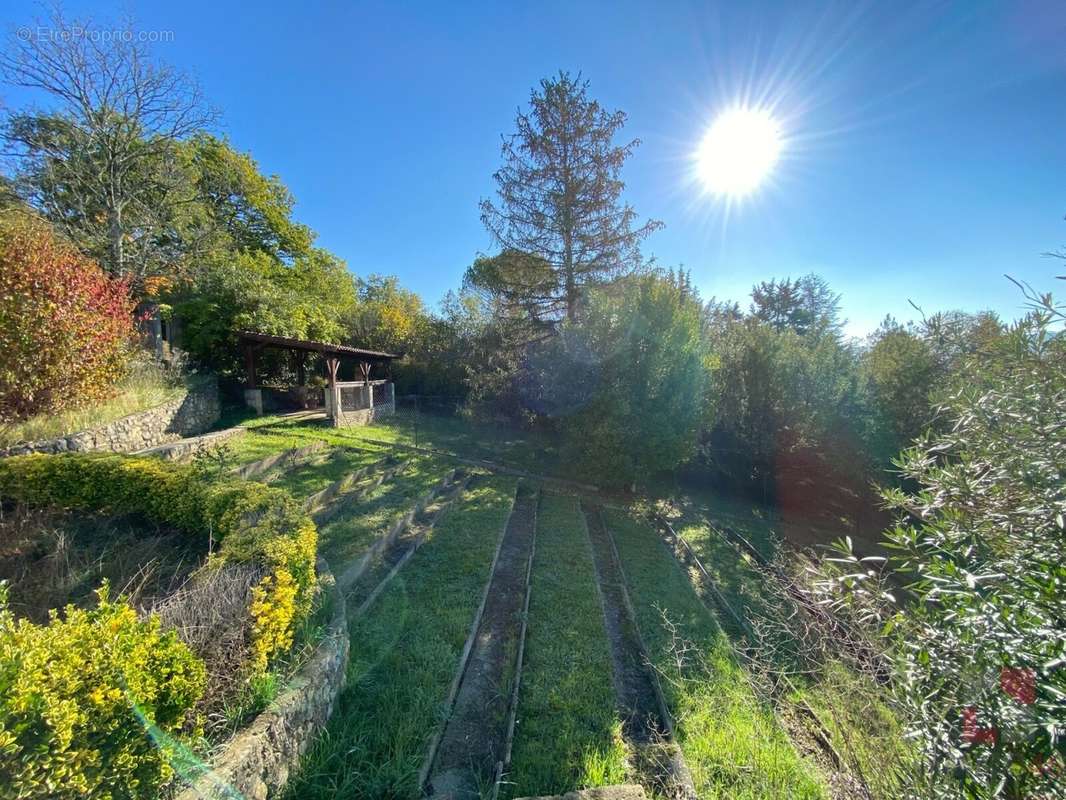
568	734
325	468
732	743
404	656
265	436
406	647
356	523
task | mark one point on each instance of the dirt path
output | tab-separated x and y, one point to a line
473	745
645	722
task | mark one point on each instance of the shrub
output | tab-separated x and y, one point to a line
65	326
243	523
981	542
631	382
89	702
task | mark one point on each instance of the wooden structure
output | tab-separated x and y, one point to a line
347	403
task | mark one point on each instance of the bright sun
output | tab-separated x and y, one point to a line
739	151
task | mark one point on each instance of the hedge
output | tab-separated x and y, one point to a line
245	522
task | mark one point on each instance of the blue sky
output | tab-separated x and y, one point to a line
925	153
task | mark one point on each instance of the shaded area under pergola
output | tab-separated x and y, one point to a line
252	343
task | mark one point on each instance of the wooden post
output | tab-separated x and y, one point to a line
368	390
300	357
332	364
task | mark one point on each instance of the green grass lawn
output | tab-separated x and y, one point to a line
329	467
404	655
352	529
732	743
733	571
568	735
863	729
268	435
502	443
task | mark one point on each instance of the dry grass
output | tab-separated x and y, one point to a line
147	385
51	558
210	614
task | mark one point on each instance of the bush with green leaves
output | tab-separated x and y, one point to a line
980	644
91	703
241	522
628	381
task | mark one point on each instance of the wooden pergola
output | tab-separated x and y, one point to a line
252	343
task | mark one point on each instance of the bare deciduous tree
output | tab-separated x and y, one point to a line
98	158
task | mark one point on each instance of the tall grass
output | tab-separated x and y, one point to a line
731	741
862	727
568	733
404	655
148	384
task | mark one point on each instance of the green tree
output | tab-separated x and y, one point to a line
387	316
632	377
806	305
979	649
257	268
786	390
236	207
559	201
903	375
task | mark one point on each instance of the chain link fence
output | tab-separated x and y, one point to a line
419	415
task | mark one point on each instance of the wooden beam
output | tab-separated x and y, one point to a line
332	365
301	367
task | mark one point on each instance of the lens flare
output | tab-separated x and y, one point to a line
739	151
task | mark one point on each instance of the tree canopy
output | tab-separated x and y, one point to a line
559	202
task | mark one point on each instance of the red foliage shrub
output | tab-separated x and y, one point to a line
65	327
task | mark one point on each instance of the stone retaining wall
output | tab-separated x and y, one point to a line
193	412
256	763
364	416
184	448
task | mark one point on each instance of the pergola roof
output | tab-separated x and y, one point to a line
311	346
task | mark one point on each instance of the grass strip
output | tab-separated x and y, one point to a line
734	572
306	479
731	742
351	530
404	655
268	435
568	734
861	726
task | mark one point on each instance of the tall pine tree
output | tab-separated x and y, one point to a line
559	203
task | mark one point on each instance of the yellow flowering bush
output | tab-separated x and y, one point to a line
89	702
273	609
